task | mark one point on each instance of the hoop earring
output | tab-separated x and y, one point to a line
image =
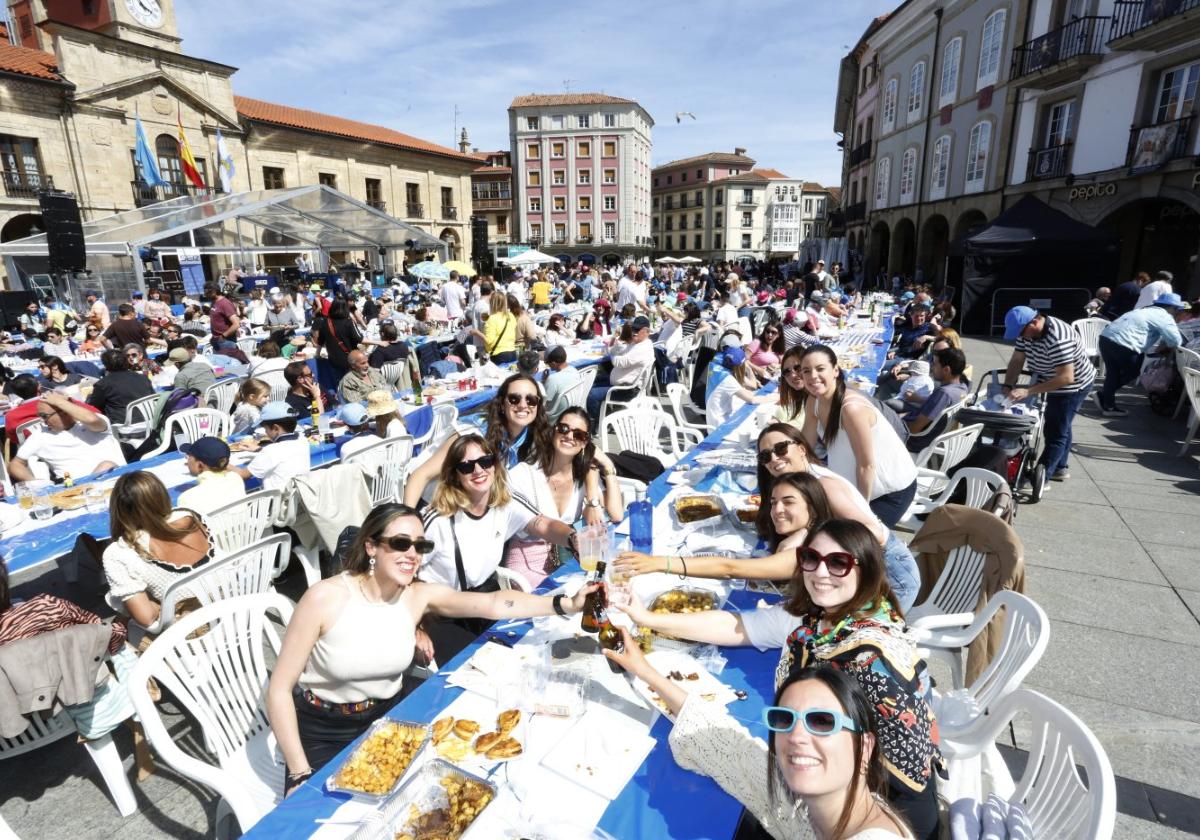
371	566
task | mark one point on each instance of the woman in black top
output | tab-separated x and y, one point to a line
389	349
339	336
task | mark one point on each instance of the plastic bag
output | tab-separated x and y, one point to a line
1158	376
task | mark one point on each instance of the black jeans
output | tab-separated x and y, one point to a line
891	507
504	358
920	809
324	733
1121	366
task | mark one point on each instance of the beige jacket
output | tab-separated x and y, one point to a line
46	672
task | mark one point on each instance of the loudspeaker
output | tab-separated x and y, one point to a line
12	306
64	231
479	238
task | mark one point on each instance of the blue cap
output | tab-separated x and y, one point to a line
908	296
1017	319
210	451
277	410
734	356
353	414
1172	300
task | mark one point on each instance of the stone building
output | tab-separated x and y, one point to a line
74	75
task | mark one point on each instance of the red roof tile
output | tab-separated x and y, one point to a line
540	99
768	173
27	62
710	157
493	170
813	186
269	112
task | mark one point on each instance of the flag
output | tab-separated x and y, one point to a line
225	169
186	159
147	162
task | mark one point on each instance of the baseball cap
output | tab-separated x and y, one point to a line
734	356
208	450
353	414
179	354
641	322
908	296
681	297
1171	300
1016	320
277	410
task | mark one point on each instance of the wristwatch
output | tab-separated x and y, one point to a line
593	503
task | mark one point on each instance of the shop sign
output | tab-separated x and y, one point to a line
1088	192
1196	181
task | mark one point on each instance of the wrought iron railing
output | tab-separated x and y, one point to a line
414	210
861	153
25	184
1049	162
1082	36
1130	16
1150	146
449	212
144	194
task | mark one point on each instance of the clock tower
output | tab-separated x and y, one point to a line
149	22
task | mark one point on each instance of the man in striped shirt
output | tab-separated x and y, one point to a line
1052	351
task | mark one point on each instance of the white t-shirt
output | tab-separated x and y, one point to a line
517	289
1151	292
630	291
260	366
212	490
722	401
768	628
286	458
357	443
630	361
481	541
454	298
76	450
529	480
727	315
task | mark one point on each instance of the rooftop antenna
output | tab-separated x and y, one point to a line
567	84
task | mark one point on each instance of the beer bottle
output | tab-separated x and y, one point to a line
594	601
610	638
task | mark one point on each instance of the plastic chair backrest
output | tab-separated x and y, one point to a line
195	423
1186	358
950	448
1191	384
41	731
641	430
385	464
27	428
508	579
236	525
981	485
576	396
957	587
220	395
392	372
445	415
220	677
1026	634
144	409
247	345
1089	330
279	386
680	398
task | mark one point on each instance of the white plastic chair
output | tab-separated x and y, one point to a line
192	424
279	385
220	678
1184	359
935	462
220	395
245	572
650	432
622	396
944	421
630	487
508	579
236	525
27	428
1191	386
681	402
249	346
386	466
1060	804
981	485
102	751
1088	330
140	416
576	396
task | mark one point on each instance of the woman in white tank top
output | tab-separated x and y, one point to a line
352	637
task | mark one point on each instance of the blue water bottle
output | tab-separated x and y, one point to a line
641	524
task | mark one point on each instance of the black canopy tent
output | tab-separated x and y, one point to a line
1034	255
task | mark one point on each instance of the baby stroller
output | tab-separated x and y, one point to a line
1012	439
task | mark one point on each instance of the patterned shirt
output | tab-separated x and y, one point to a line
1058	345
46	613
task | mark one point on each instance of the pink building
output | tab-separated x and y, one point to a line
581	175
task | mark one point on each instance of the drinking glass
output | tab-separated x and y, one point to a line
93	496
591	545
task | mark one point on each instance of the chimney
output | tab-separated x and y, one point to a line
464	145
739	150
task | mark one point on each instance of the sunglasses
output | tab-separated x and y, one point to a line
779	450
577	435
822	722
405	543
837	563
794	370
468	467
531	400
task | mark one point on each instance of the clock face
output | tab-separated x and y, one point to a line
146	12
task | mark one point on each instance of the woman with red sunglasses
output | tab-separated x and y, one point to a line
842	612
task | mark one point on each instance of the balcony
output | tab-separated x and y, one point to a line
1061	55
861	153
503	203
1152	24
144	195
1151	146
583	239
449	212
856	212
414	210
1049	162
559	239
378	203
25	184
747	202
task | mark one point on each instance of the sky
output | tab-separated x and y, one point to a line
759	74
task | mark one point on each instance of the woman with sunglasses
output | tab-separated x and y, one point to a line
766	351
861	446
54	373
474	512
135	356
333	677
515	426
782	450
93	341
564	484
841	611
821	765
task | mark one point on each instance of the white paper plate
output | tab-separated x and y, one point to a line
705	685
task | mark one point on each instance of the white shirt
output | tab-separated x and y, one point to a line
454	298
282	460
531	483
212	490
1151	292
480	540
727	315
630	291
357	443
630	361
260	366
517	289
722	401
77	450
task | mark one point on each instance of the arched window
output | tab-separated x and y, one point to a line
916	91
940	173
977	157
883	174
990	43
889	104
948	90
169	166
908	175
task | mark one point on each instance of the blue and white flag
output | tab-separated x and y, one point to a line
225	169
146	159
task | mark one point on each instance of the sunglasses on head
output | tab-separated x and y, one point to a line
822	722
405	543
779	450
837	563
577	435
531	400
468	467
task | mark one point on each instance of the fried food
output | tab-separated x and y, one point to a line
465	729
465	799
381	759
485	741
695	508
441	728
453	749
683	601
507	721
505	748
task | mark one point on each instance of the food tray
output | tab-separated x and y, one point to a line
740	461
424	791
663	642
333	784
711	498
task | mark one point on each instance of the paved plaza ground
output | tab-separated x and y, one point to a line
1111	556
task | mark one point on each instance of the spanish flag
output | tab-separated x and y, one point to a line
186	159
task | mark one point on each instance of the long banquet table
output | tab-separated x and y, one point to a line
661	799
